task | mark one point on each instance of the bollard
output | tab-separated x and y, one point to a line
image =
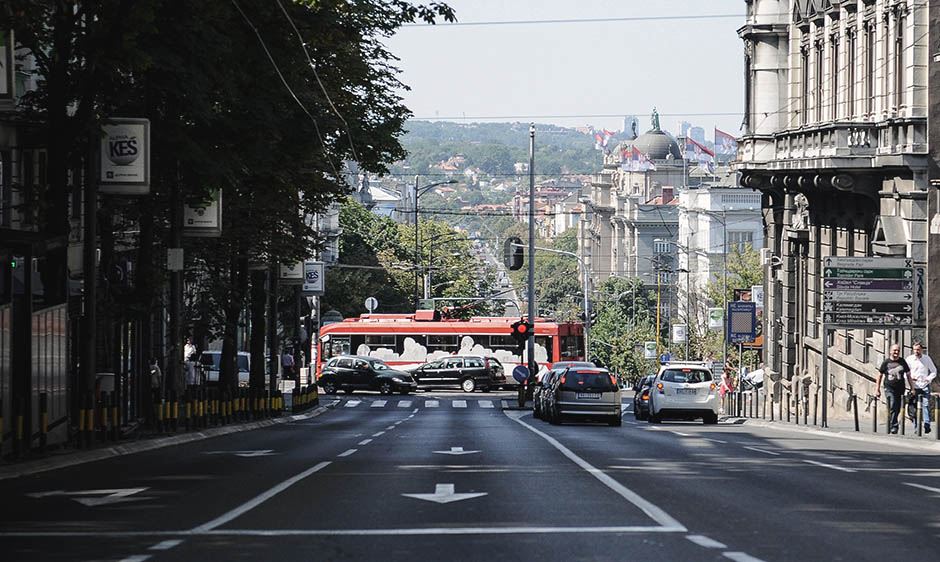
903	416
187	411
159	407
90	419
788	393
116	418
43	421
18	428
936	420
103	406
81	424
918	418
175	411
201	409
771	407
815	408
855	410
874	414
799	402
294	400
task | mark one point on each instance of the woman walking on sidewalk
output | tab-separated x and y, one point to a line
894	372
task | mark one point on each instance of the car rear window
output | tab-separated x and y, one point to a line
473	363
686	375
587	380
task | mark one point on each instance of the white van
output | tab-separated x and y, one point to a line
210	360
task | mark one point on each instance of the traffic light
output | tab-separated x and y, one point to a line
512	253
521	331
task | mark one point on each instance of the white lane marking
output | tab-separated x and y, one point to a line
652	511
389	427
706	542
347	452
398	422
444	493
716	441
353	403
765	451
332	403
379	404
104	496
166	545
740	557
831	466
922	487
378	434
259	499
486	403
415	411
431	403
460	403
623	408
455	451
365	442
136	558
680	434
404	403
437	531
504	404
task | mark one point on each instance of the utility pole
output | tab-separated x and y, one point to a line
90	274
530	344
417	246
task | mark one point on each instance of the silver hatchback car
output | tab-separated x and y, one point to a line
587	392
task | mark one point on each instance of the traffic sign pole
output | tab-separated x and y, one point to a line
825	375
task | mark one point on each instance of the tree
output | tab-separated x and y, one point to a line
744	270
624	311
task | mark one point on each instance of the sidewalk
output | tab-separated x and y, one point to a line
845	428
71	456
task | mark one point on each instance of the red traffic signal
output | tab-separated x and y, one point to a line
521	331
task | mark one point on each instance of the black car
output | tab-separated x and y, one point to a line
467	372
641	397
352	372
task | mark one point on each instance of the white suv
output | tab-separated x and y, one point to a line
684	391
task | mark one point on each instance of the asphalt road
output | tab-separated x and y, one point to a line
450	476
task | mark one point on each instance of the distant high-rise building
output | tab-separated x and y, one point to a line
682	128
697	134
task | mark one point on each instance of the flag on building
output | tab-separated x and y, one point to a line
699	153
725	144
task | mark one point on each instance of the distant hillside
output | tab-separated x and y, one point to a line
495	147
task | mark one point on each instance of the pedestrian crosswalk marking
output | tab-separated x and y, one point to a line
486	404
504	403
352	403
431	403
428	403
460	403
379	404
404	403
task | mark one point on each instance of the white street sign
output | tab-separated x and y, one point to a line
314	278
649	350
757	295
444	493
456	451
869	296
679	333
716	318
108	496
371	304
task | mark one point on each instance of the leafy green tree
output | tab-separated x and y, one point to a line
744	271
624	319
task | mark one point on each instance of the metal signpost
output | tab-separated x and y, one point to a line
867	293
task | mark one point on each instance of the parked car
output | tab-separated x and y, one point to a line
210	361
541	392
584	392
466	372
684	391
641	397
352	372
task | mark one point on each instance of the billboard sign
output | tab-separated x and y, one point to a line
314	278
124	157
742	322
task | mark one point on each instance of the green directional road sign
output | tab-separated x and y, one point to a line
869	292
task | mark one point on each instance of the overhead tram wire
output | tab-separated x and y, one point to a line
521	118
326	152
316	74
688	17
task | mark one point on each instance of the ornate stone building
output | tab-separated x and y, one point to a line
835	140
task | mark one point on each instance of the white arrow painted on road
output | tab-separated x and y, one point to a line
115	495
247	454
444	493
456	451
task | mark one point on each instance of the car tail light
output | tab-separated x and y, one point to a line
613	380
562	381
712	387
646	396
660	387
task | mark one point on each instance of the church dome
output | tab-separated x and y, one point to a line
657	145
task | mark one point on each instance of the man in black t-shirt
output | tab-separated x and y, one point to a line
894	372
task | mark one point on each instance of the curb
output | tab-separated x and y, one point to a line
923	445
43	465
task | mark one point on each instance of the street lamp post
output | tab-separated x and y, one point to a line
418	193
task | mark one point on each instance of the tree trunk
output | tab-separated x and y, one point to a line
258	329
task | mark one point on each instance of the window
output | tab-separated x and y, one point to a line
661	246
899	60
870	44
361	365
6	63
6	188
382	340
739	240
337	345
571	347
686	375
834	73
345	363
546	342
804	83
818	85
851	41
586	381
473	363
455	363
503	342
442	343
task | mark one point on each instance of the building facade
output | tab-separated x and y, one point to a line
836	142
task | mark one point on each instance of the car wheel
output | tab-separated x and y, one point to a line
385	387
468	385
329	388
710	418
639	416
615	421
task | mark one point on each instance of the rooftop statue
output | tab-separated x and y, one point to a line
655	120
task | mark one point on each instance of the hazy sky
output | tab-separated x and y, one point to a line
583	70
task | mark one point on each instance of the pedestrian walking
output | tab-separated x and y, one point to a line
893	374
923	372
156	387
189	362
287	366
